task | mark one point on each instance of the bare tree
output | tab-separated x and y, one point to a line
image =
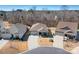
64	8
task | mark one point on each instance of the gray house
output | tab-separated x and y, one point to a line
4	32
68	29
21	29
7	30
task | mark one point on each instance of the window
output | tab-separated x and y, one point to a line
3	32
1	14
40	33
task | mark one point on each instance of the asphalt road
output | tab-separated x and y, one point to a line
47	50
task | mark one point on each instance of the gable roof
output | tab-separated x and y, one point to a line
21	27
39	27
13	29
66	26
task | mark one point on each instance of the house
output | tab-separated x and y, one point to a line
22	29
4	32
35	31
2	15
18	30
39	29
67	29
7	30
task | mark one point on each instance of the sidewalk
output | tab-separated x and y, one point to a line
3	43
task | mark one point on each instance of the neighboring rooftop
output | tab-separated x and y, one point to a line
39	27
67	26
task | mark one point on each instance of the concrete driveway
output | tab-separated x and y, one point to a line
75	50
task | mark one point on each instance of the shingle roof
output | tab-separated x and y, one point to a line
39	27
66	26
21	27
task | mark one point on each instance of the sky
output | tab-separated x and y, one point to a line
38	7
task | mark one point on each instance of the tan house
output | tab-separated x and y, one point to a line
39	29
68	29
